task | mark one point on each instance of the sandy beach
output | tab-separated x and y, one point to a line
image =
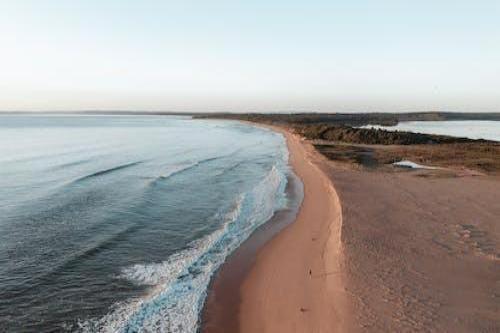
295	282
370	252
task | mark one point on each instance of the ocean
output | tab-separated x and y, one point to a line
472	129
117	223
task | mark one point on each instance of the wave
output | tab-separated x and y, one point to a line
107	171
181	168
176	170
178	285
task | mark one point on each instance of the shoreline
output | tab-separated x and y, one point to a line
292	281
221	308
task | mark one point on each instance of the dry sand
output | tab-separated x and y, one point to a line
423	252
296	284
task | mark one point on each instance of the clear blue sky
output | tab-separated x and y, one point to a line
359	55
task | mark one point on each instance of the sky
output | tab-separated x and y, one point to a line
259	56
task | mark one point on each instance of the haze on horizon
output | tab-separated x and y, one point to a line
345	56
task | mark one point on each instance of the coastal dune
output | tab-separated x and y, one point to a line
296	283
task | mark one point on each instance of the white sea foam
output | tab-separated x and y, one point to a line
178	285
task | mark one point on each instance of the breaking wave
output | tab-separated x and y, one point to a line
178	286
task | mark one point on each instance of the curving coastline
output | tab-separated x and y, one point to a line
294	283
401	250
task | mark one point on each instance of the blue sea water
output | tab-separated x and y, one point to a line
117	223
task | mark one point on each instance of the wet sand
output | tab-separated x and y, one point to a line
221	310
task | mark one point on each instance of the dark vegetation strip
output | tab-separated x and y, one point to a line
352	119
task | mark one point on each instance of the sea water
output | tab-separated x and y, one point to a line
472	129
117	223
